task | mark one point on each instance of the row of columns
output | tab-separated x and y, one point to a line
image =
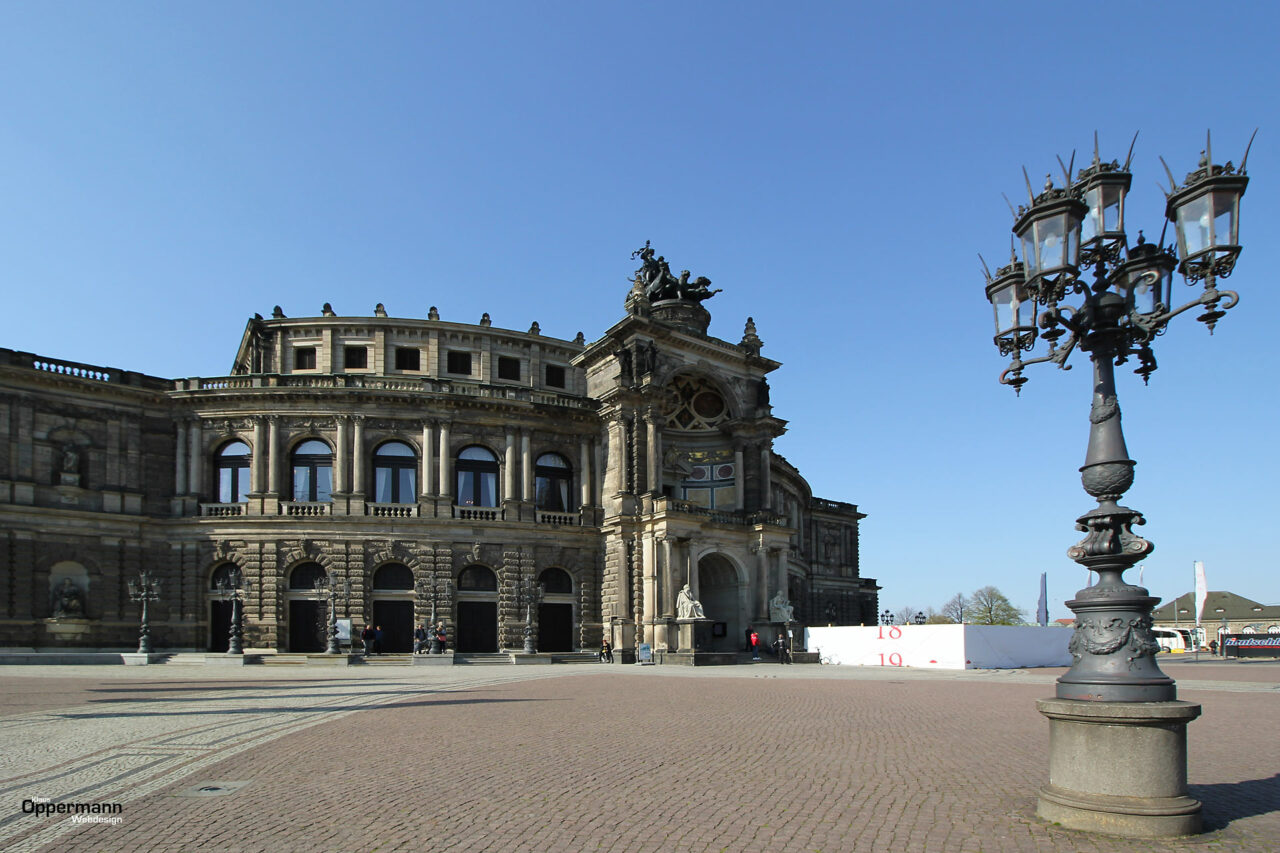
351	468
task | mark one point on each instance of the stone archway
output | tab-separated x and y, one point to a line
723	597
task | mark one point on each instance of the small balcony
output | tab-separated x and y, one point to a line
306	509
479	513
388	510
222	510
559	519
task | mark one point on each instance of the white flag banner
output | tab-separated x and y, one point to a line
1202	590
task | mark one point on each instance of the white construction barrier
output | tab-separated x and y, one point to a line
942	646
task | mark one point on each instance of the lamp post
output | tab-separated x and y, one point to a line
144	589
919	617
434	586
235	586
886	618
327	588
530	594
1124	780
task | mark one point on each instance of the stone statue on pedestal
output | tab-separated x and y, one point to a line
68	601
688	607
780	609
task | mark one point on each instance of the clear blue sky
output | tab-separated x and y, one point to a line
168	169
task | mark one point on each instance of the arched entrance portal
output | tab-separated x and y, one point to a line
308	621
477	610
722	595
555	612
393	607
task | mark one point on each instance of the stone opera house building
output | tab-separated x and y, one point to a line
383	466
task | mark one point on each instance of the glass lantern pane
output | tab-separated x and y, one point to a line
1111	210
1025	313
1146	292
1005	309
1092	225
1051	239
1195	228
1224	219
1029	253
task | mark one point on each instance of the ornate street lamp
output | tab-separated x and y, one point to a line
235	586
919	617
434	586
1114	679
530	594
144	589
327	589
886	618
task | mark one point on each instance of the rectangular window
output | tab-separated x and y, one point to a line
408	358
555	376
508	368
355	357
458	362
304	358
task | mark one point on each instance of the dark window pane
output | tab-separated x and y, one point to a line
509	368
556	581
302	483
459	362
407	358
382	485
324	483
225	476
555	376
355	357
242	483
304	358
406	486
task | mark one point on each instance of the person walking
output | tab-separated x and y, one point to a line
606	652
442	637
755	645
366	637
780	646
420	639
377	640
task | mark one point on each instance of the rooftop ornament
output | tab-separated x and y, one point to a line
1114	679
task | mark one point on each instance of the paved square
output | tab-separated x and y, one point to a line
570	758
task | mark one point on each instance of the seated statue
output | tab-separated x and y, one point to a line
688	607
68	601
780	609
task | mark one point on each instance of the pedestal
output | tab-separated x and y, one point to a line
694	634
1119	767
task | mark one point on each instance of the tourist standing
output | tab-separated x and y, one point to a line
755	645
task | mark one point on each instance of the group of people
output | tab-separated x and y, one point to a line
780	646
372	639
422	638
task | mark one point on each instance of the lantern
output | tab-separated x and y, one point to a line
1050	233
1015	309
1206	213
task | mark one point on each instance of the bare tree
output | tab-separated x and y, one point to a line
989	606
956	610
905	616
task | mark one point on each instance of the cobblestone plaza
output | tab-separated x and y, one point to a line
587	757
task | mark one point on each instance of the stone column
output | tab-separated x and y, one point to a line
778	556
668	605
340	456
691	569
739	480
526	486
427	486
649	585
357	457
509	468
761	581
766	476
195	457
614	475
446	461
273	454
180	463
584	469
654	446
257	478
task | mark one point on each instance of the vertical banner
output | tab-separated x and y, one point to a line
1042	609
1202	590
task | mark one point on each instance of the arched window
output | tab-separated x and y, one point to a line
304	577
553	478
312	471
395	474
393	576
233	472
477	477
477	579
556	581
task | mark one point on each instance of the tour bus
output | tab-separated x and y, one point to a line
1170	640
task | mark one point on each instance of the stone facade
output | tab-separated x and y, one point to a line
401	460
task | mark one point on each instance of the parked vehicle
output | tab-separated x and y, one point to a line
1170	640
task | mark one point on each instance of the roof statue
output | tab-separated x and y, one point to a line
655	277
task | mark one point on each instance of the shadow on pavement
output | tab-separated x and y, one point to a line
328	709
1231	801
